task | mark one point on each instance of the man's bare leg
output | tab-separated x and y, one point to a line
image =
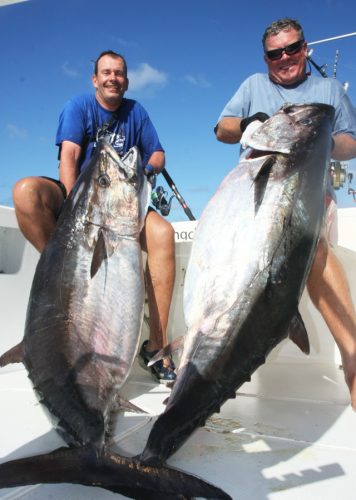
158	240
329	290
37	204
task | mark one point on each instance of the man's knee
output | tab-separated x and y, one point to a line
35	193
23	190
157	237
158	230
166	232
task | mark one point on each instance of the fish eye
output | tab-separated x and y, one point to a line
104	180
306	121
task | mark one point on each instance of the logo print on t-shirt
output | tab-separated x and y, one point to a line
119	141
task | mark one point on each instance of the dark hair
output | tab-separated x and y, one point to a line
112	54
285	24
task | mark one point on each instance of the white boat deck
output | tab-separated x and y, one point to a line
289	434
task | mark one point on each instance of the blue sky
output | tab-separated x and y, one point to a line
185	59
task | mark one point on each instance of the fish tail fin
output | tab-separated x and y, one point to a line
110	471
13	355
174	347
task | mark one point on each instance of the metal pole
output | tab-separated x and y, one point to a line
333	38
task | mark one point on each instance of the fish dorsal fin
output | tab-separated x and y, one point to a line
298	333
100	254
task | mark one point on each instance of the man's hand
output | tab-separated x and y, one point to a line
249	126
260	116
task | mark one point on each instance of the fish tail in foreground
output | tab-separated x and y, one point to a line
250	258
87	466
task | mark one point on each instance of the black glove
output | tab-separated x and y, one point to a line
150	174
262	117
332	144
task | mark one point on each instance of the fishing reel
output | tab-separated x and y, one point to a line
159	200
351	190
338	174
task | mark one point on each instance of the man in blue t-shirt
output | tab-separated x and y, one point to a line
124	123
261	95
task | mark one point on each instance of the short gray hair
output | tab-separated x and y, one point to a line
285	24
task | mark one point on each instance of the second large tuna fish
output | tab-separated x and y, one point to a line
250	258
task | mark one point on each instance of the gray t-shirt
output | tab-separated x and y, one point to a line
259	93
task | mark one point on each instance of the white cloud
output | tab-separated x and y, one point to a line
71	72
123	42
144	77
15	132
198	81
9	2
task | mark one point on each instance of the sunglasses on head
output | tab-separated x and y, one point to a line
291	49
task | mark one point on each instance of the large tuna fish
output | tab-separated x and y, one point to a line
82	330
250	258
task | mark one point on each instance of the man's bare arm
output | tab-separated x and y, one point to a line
228	130
69	164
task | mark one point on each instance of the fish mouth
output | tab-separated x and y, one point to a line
126	165
255	154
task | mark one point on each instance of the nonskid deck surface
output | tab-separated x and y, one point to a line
280	446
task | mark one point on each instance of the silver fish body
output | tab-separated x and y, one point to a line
86	304
250	258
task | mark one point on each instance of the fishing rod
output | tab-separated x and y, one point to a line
177	194
351	190
337	169
159	197
322	69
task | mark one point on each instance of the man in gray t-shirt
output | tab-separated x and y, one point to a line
261	95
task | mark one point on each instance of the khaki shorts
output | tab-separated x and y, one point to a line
329	230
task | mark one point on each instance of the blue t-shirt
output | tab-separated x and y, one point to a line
82	117
259	93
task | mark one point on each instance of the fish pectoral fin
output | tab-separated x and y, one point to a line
100	254
298	333
122	404
175	346
260	178
260	170
13	355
